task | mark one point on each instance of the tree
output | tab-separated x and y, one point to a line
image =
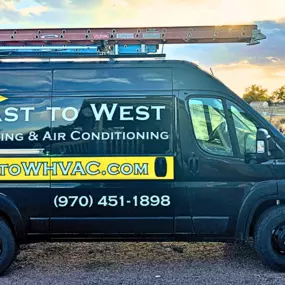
255	93
278	95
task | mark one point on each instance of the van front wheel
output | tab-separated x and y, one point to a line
8	247
269	237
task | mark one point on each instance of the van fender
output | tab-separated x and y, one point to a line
10	210
258	194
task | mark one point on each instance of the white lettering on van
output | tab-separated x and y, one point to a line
47	136
47	168
70	114
27	112
142	111
31	167
53	112
14	170
70	110
55	136
11	112
66	169
11	137
61	136
73	137
158	109
109	114
2	169
78	168
88	168
123	112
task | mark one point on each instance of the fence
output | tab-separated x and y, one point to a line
274	114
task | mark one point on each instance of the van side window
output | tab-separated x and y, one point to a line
210	125
245	129
115	126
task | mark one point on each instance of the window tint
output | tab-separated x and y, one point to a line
25	81
245	128
23	122
210	126
113	126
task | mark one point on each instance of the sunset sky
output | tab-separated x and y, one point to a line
237	65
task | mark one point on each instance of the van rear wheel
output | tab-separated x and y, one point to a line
269	237
8	247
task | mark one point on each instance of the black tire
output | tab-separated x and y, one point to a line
267	223
8	247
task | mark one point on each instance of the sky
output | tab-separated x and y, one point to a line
237	65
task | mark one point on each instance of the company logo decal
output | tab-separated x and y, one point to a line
2	98
69	116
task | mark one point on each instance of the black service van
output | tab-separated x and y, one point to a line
148	150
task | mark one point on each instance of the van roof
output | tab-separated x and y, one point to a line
177	74
73	63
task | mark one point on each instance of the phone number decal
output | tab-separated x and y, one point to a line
111	201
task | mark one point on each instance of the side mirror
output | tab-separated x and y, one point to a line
262	145
257	149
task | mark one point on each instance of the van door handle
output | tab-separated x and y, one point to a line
193	164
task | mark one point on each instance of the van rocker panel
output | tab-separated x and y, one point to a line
113	225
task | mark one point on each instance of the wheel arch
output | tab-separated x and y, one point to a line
11	214
259	199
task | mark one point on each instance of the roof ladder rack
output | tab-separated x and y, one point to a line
116	42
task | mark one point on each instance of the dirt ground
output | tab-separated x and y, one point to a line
139	263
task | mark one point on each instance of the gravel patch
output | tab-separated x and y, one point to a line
139	263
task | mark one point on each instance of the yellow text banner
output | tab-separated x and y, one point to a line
82	168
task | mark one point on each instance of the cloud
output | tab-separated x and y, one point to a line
79	5
263	63
273	59
36	10
280	21
113	13
56	3
182	12
11	13
280	73
269	52
239	75
8	11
